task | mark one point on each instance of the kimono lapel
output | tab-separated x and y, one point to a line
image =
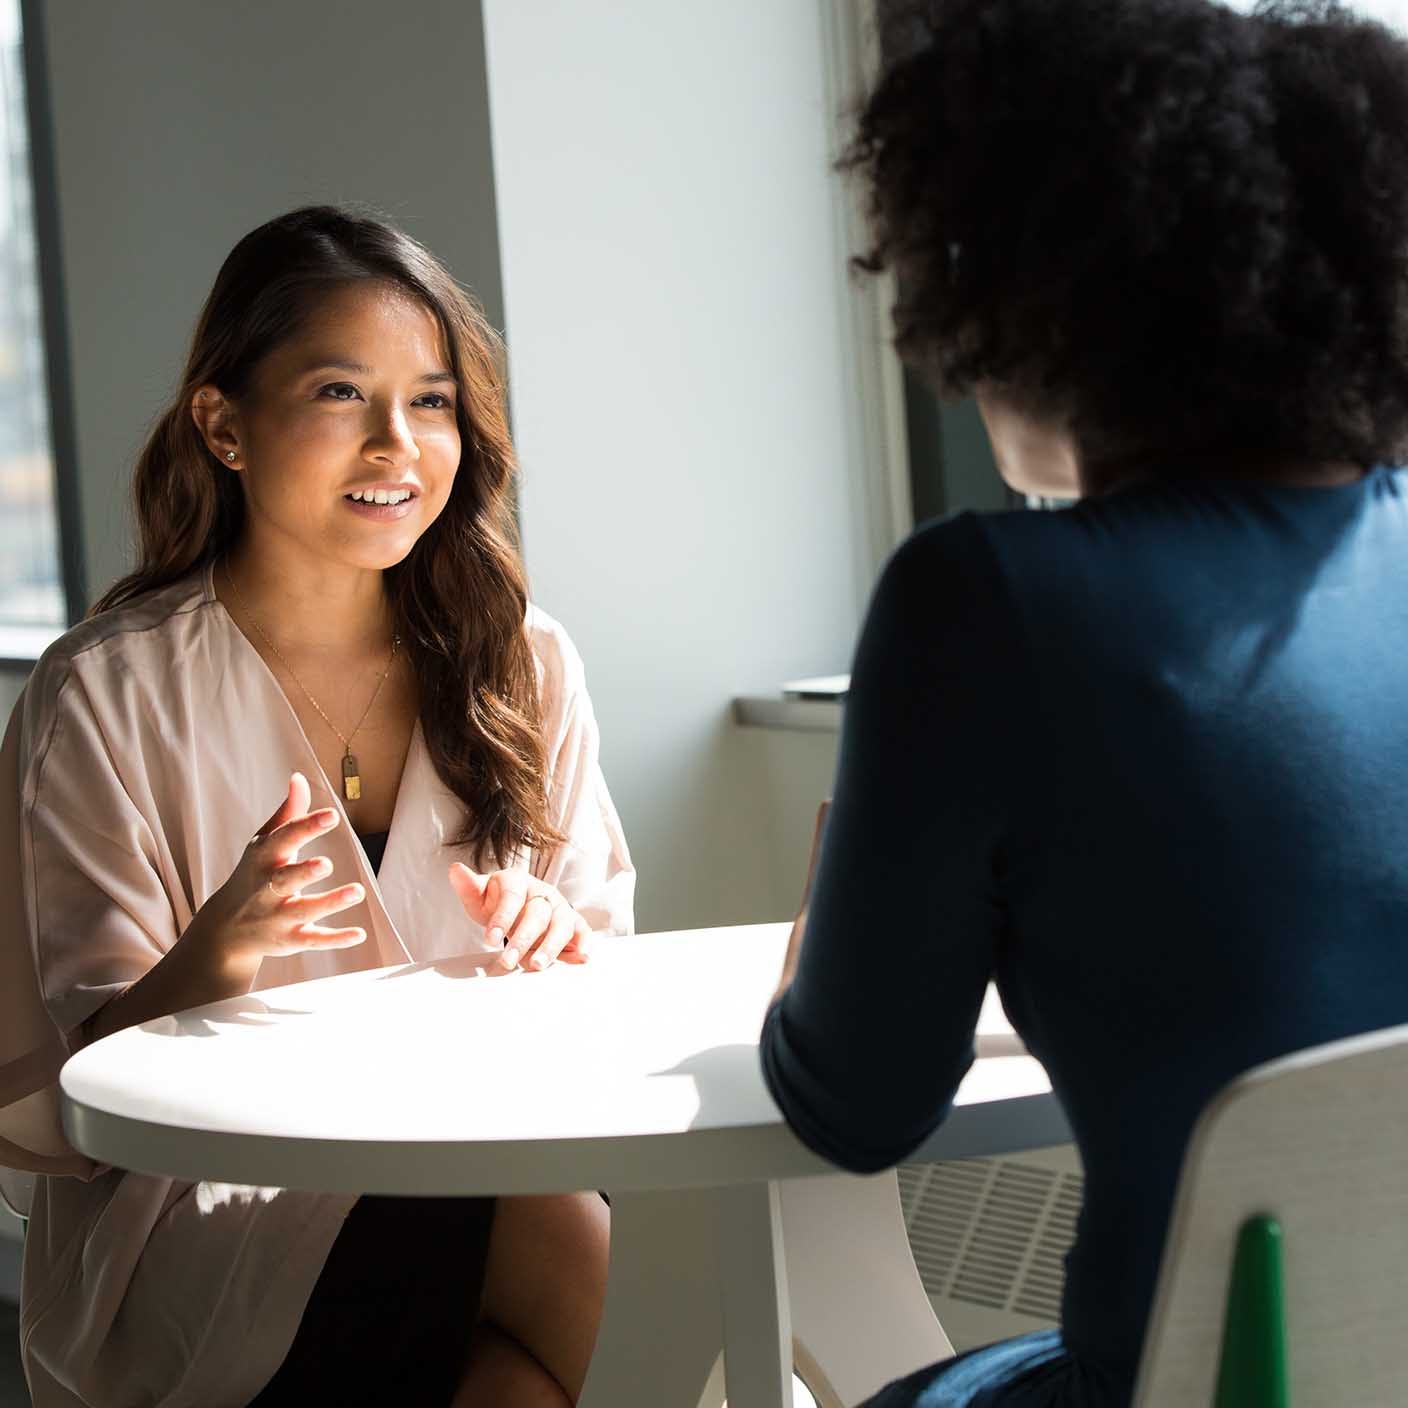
245	691
414	884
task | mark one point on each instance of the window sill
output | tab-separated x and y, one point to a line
799	715
804	706
21	646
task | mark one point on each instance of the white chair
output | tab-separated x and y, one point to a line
1299	1170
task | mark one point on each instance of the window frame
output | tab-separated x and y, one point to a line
63	437
878	432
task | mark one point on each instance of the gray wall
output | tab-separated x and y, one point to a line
949	454
675	291
11	682
179	125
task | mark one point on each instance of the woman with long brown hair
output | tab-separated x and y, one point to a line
328	619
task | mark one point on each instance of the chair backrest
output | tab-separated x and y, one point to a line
1317	1141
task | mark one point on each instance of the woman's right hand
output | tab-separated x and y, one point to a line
261	910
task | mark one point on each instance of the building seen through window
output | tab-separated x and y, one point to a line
31	582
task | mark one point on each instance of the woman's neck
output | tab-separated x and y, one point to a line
307	606
1105	476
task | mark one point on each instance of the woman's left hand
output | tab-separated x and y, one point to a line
536	924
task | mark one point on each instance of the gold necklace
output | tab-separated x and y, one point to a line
351	777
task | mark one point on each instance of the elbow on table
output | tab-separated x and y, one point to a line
860	1148
860	1136
862	1159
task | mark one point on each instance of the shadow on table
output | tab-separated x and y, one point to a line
252	1012
460	965
729	1083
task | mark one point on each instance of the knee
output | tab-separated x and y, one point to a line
558	1243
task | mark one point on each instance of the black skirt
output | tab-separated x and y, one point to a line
390	1317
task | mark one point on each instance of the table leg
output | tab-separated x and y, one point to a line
661	1328
757	1315
820	1265
860	1315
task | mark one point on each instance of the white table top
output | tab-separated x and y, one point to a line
637	1070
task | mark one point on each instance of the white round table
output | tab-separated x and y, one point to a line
636	1073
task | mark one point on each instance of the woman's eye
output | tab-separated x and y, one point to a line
345	391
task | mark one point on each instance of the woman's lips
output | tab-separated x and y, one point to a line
381	513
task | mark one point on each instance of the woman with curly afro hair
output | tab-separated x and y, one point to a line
1141	761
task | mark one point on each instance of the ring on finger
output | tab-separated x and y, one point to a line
281	894
546	899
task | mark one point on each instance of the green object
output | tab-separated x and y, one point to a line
1252	1372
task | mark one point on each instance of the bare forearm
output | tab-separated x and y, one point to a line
194	972
260	911
794	951
799	924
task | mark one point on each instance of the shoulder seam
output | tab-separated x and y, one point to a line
130	630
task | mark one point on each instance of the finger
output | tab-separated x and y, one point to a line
507	893
531	925
470	886
300	795
287	840
821	813
307	909
290	879
295	803
578	948
318	937
555	937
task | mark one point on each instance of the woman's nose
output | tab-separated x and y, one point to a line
392	437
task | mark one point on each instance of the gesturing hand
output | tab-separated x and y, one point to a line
260	911
534	921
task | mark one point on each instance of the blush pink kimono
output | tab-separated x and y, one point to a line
150	744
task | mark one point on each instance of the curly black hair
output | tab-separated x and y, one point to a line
1170	226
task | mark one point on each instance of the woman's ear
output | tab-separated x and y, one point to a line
214	415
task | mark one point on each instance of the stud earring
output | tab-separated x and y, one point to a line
229	454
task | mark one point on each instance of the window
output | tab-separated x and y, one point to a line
33	601
918	458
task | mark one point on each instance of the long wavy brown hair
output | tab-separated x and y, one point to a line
460	595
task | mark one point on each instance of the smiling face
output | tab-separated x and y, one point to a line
346	441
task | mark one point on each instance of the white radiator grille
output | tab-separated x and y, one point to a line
992	1232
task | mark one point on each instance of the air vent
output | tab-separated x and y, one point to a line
992	1232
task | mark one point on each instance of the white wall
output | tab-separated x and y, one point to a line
179	125
675	326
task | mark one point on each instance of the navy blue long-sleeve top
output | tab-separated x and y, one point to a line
1144	763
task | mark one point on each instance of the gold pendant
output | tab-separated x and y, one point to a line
351	781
